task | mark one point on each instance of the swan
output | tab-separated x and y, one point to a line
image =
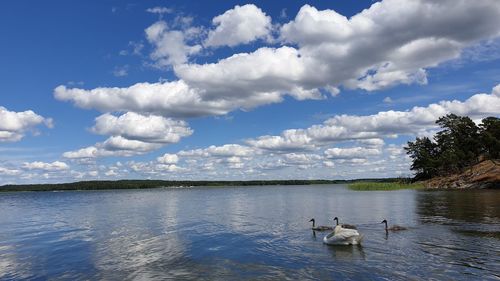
349	226
321	227
393	227
343	236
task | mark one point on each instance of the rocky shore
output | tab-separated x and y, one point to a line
486	174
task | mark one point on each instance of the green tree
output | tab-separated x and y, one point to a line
489	131
459	145
423	152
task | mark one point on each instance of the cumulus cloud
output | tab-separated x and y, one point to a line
344	146
14	125
178	99
132	134
301	158
9	172
390	43
321	51
227	150
113	146
172	99
289	140
266	75
54	166
371	128
351	152
134	126
168	159
170	46
240	25
367	51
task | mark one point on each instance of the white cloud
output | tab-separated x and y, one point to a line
329	164
111	173
170	45
240	25
351	153
172	99
134	48
168	159
301	158
131	134
133	126
372	142
263	76
121	71
54	166
119	144
159	10
289	140
113	146
169	168
9	172
369	128
87	152
227	150
367	51
14	125
389	43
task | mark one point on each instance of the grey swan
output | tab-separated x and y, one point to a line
348	226
393	227
320	227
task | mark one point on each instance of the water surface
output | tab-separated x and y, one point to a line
240	233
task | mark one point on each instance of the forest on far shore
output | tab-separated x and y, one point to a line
140	184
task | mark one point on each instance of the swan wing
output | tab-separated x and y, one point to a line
346	233
343	237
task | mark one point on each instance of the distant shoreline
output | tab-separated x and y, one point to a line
148	184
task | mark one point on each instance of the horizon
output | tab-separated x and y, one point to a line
174	91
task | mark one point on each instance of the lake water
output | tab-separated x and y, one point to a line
240	233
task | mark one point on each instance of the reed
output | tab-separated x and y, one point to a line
368	186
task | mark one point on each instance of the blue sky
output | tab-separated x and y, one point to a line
235	90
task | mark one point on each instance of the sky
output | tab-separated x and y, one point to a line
231	90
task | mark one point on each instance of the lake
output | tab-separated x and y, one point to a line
239	233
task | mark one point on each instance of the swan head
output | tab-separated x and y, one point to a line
385	221
336	219
311	220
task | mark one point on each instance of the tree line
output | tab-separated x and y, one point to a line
459	145
142	184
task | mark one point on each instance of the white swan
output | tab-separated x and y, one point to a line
343	236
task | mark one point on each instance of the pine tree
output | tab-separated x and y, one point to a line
489	131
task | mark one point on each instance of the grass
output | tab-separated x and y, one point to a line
369	186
